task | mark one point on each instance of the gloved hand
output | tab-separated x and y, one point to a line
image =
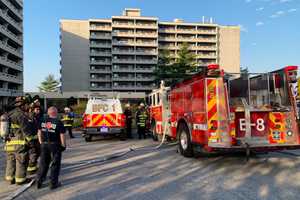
62	148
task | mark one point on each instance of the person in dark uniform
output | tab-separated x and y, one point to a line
15	142
33	143
141	120
51	135
128	117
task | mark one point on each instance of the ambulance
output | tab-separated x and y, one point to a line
103	117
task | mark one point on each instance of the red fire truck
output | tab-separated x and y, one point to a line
211	112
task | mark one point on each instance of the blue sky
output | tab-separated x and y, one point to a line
270	36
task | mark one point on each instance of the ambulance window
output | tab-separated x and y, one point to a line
152	100
158	99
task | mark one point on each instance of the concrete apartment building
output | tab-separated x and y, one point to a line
120	53
11	50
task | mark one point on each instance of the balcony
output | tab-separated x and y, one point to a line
124	87
10	20
123	52
206	32
11	35
125	61
123	25
187	39
10	49
100	79
101	36
16	11
206	48
11	78
207	40
146	44
100	88
101	71
145	78
207	56
123	69
146	35
100	28
123	43
14	65
120	78
167	39
179	30
146	61
145	52
100	62
100	45
168	47
100	53
146	25
145	70
123	34
10	92
144	87
167	30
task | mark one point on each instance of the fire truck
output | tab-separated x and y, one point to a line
213	111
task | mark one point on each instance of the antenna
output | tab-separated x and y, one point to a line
203	19
211	20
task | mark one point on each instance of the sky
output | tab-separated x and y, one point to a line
270	29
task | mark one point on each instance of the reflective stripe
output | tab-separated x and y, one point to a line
9	148
20	180
15	126
15	142
33	137
9	178
30	169
67	124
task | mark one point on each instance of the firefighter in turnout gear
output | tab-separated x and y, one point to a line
16	146
141	121
68	119
51	135
34	146
128	116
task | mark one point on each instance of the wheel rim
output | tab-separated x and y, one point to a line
183	140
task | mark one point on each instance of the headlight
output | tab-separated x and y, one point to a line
289	133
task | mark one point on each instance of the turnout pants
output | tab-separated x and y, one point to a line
34	149
128	130
69	129
16	164
142	132
50	156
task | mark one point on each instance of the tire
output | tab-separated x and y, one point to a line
88	138
184	141
153	131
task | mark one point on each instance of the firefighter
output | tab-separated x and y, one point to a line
128	116
52	140
32	140
15	145
68	119
141	120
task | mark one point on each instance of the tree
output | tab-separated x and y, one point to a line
172	72
50	84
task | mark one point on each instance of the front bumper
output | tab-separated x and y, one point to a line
97	131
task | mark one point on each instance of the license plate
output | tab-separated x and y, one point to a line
103	129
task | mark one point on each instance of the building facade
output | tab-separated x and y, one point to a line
120	53
11	50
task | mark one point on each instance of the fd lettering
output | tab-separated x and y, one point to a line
259	125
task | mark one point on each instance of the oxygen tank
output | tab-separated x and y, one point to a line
4	126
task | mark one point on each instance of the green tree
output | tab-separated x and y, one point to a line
50	84
172	72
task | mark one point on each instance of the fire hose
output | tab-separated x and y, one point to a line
24	188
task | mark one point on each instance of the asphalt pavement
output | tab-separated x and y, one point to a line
164	174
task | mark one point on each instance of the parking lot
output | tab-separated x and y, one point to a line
164	174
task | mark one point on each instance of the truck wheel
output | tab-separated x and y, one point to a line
153	131
184	141
88	138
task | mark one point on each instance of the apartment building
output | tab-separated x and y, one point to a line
11	50
120	53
